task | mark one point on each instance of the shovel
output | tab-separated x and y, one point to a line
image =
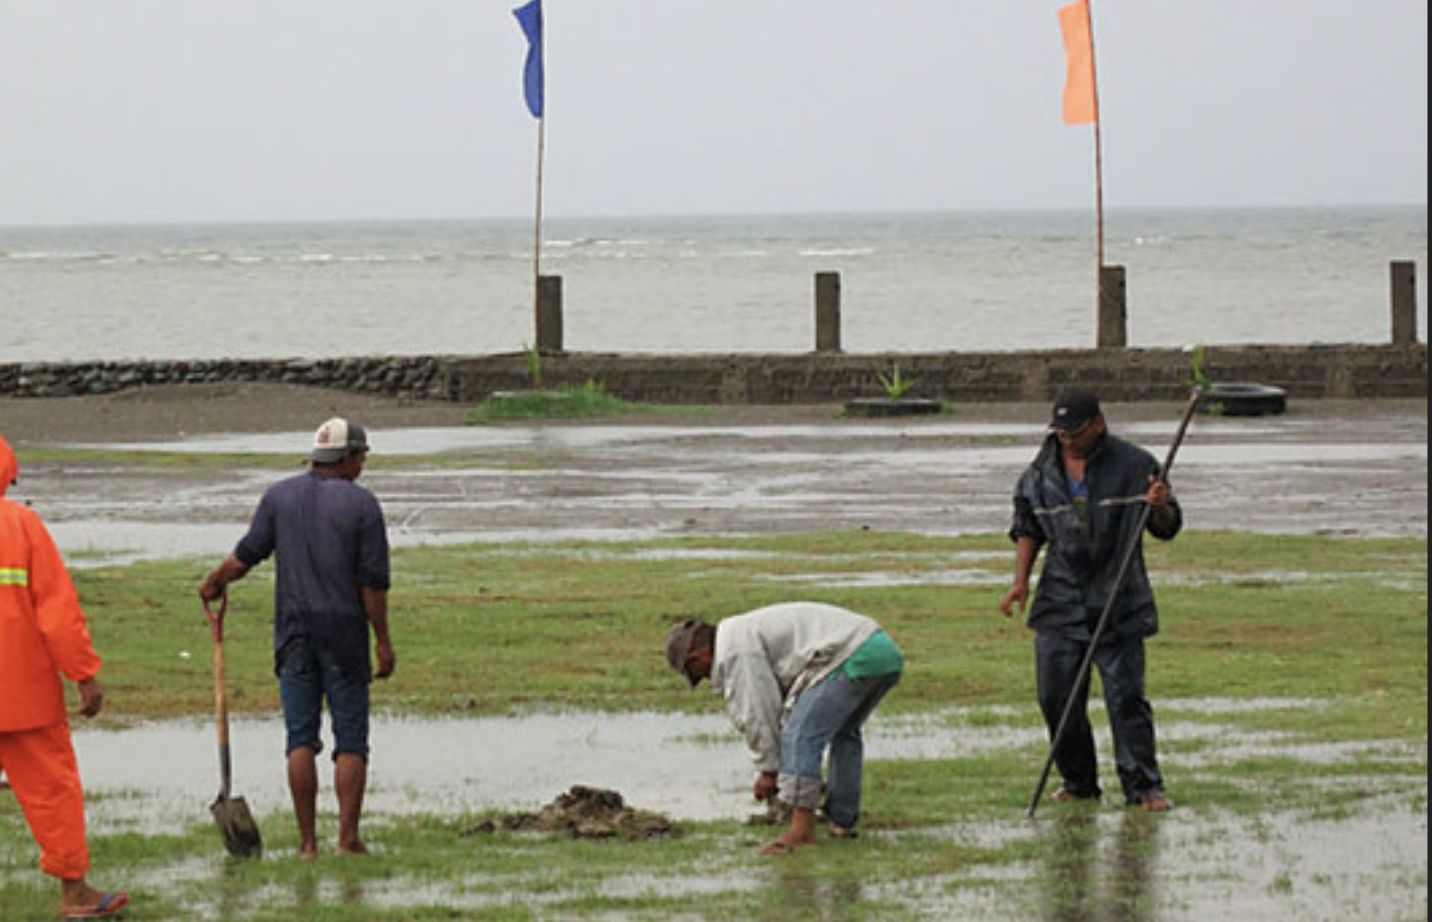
241	833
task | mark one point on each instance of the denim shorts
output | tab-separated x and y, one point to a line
307	674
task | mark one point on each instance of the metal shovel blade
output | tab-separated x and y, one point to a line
241	833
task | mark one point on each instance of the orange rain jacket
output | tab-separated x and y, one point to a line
42	628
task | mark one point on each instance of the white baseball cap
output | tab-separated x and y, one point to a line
336	439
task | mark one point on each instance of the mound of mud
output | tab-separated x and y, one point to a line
590	813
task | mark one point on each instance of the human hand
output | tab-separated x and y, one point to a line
387	660
210	589
91	697
1158	494
765	786
1019	593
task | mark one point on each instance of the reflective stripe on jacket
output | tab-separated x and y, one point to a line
42	628
1082	557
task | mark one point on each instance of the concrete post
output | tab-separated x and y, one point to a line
1113	308
549	313
827	312
1404	302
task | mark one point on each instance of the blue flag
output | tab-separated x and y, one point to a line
529	16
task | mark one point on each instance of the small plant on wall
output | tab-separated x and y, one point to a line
894	385
896	400
534	366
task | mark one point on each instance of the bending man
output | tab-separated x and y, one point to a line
798	679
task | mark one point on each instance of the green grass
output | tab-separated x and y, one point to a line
491	629
488	629
583	401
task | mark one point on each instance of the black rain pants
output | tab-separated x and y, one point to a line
1120	661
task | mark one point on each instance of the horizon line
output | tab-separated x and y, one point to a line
725	215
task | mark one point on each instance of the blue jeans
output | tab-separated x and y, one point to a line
829	715
307	674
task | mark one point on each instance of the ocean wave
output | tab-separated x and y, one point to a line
58	255
838	251
574	243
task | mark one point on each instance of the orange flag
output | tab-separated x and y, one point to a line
1081	106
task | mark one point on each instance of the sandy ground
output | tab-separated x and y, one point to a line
170	412
158	413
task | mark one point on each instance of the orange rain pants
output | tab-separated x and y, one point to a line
42	636
40	765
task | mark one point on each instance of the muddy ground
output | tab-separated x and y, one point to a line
1353	468
584	812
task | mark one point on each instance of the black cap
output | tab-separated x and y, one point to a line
679	644
1074	408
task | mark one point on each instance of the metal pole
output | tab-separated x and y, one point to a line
1129	552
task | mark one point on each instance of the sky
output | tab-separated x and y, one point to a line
138	111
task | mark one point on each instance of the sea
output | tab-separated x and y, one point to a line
928	281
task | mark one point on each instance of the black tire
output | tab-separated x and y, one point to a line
885	406
1243	399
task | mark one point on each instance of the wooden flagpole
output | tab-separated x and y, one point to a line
1098	152
537	241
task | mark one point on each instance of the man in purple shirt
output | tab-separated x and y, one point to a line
331	548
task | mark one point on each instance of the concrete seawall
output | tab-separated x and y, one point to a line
1305	372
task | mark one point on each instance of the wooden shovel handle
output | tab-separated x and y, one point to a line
216	619
221	704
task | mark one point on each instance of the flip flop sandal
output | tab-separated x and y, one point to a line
110	906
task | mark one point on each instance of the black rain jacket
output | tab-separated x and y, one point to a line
1081	562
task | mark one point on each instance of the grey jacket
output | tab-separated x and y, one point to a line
1082	560
765	658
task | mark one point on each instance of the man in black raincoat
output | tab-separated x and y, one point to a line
1082	499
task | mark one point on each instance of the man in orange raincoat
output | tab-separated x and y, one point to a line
43	635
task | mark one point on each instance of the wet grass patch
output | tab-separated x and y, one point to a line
1312	697
589	400
940	836
581	624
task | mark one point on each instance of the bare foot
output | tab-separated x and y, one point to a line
308	851
356	847
1155	802
785	845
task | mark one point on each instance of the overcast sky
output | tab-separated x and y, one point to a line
218	110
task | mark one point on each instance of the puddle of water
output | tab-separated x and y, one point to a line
689	767
1370	866
429	440
89	543
447	765
1279	577
620	482
887	579
1183	867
